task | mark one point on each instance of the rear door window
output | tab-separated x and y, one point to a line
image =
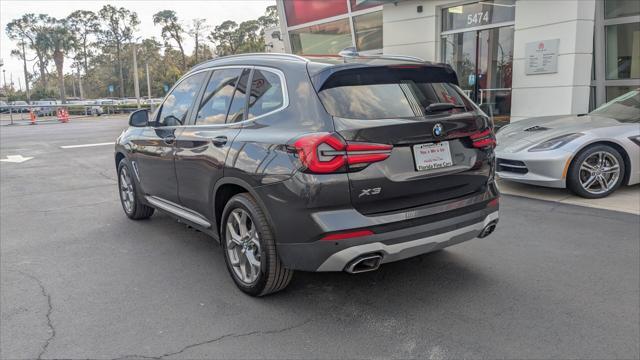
374	94
217	97
236	110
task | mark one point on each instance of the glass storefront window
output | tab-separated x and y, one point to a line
300	12
362	4
483	60
322	39
460	53
621	8
478	14
622	56
368	30
615	91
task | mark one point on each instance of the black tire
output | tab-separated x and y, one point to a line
573	174
139	210
273	276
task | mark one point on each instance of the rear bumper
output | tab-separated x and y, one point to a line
404	250
411	234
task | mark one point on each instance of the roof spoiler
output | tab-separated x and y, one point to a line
345	74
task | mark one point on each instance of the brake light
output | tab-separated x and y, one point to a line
328	153
483	139
366	153
348	235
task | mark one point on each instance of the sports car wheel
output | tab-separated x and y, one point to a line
596	172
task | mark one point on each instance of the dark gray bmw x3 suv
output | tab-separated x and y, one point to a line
314	164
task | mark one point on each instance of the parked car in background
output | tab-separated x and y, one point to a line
591	154
21	106
106	102
4	107
295	164
152	101
45	110
89	107
96	109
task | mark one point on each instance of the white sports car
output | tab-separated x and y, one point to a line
591	154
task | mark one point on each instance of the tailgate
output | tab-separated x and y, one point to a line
429	122
396	183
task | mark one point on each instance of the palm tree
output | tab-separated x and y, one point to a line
171	29
59	41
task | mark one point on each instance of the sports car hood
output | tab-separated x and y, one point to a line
519	135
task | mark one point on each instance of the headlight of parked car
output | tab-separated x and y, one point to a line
555	143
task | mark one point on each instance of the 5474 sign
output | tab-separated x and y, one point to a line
478	18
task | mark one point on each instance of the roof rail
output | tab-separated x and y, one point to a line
351	52
292	56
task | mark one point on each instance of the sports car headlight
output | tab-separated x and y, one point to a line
555	143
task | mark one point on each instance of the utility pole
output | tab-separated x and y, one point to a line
136	85
80	85
4	77
26	74
73	85
146	65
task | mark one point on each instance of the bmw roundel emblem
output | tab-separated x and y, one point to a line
438	130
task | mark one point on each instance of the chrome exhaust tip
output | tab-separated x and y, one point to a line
488	229
364	263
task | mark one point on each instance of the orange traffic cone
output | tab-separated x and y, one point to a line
59	114
33	116
65	115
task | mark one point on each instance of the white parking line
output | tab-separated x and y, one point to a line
85	145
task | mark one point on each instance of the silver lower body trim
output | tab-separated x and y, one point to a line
404	250
178	211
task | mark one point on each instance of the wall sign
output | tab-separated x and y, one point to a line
542	57
478	14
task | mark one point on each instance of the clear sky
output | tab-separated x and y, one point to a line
214	11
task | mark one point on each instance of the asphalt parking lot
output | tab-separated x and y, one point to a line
80	280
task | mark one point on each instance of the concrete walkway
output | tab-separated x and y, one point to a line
625	199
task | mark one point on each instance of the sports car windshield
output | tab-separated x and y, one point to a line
625	108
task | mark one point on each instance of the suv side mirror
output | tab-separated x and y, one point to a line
139	118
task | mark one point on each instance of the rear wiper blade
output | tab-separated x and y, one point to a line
435	107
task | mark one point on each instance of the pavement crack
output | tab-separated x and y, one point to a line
217	339
45	293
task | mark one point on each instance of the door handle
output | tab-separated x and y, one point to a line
169	139
219	140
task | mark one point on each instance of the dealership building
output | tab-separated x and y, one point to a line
515	58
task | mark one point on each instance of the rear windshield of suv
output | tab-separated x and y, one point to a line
382	93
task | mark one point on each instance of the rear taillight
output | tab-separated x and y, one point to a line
483	139
328	153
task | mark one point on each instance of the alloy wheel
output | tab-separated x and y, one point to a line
243	246
599	172
126	190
